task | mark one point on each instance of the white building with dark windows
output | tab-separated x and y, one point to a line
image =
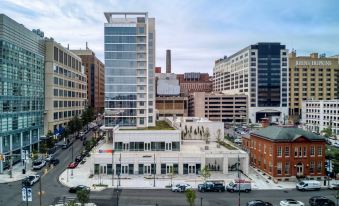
129	69
261	72
320	114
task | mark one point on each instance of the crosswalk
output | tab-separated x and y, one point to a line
63	200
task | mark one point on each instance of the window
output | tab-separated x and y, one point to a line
319	167
287	168
312	167
271	150
320	151
312	151
300	152
279	168
279	151
287	151
264	149
305	151
296	151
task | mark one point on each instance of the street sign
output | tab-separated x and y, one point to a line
29	194
26	194
23	192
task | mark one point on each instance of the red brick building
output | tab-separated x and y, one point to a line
95	71
195	82
286	153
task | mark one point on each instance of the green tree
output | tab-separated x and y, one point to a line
83	196
71	203
87	116
328	131
205	173
190	196
335	162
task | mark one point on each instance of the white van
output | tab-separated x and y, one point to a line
308	185
236	185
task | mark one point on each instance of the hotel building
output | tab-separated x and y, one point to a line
320	114
95	72
261	72
129	69
21	89
65	87
312	77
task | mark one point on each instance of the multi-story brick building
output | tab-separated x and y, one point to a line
95	71
286	153
195	82
311	77
219	107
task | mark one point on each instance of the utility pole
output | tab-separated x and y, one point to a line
154	170
11	165
238	181
200	201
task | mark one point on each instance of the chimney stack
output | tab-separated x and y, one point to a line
168	61
86	45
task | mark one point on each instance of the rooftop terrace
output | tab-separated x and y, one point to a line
159	125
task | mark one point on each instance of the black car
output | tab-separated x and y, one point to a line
78	188
54	161
321	201
258	203
78	158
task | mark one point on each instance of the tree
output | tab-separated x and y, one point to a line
190	196
328	131
72	203
83	196
87	116
205	173
171	174
207	135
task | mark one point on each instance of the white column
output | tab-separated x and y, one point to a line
136	164
225	165
180	166
158	164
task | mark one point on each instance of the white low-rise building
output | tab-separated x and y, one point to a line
320	114
161	151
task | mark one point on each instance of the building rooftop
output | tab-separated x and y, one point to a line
159	125
289	134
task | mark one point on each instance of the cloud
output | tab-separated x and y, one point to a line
197	31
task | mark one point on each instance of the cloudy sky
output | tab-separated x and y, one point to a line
197	31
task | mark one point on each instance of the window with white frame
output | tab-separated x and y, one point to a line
312	151
287	168
320	151
319	167
279	168
296	151
305	151
312	167
287	151
279	151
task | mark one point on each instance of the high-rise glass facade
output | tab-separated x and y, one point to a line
129	70
21	89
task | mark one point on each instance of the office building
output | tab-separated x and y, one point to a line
95	72
168	61
65	87
129	69
318	115
195	82
312	77
286	153
261	72
219	107
21	89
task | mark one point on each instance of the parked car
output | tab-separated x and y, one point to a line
38	164
336	144
211	187
54	161
238	141
320	201
236	185
258	203
291	202
30	180
78	158
334	186
308	185
49	157
78	188
181	187
73	165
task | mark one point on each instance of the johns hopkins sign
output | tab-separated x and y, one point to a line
313	63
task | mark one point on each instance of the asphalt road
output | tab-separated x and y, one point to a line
10	193
168	198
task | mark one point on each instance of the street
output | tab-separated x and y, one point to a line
11	192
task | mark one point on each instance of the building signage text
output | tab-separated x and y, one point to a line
313	63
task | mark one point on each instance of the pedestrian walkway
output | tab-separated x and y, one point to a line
16	173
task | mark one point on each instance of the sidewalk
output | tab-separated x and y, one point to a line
17	173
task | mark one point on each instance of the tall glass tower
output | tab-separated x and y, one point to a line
129	70
21	89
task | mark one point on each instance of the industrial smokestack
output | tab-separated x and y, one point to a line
168	61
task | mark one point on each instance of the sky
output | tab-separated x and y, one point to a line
197	31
